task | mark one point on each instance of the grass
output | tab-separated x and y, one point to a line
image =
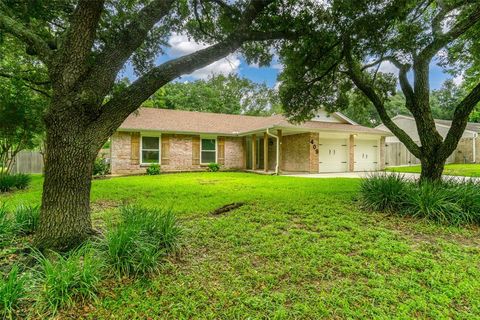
298	248
467	170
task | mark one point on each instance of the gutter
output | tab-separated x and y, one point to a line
278	150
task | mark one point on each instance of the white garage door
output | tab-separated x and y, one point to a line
333	155
366	155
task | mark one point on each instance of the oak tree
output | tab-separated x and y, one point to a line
84	44
348	42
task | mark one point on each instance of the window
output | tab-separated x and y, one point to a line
150	149
208	151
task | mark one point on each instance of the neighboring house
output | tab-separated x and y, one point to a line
188	141
468	149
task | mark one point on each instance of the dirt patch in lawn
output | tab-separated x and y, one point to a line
102	205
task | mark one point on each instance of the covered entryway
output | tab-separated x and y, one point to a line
332	155
366	155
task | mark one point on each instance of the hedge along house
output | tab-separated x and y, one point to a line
189	141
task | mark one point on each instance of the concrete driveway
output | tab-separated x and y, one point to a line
363	174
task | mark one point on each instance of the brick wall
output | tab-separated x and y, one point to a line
121	149
296	153
234	158
180	154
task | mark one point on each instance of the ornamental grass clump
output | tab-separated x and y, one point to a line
12	291
65	279
451	202
386	193
26	219
136	245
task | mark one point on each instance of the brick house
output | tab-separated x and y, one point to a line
188	141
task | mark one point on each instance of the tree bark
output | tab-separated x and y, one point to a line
65	213
432	168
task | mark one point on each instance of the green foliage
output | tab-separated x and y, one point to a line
19	181
136	244
213	167
218	94
62	280
21	108
7	182
22	181
26	218
384	192
12	291
153	169
101	167
6	224
453	202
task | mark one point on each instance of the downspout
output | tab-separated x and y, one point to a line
278	150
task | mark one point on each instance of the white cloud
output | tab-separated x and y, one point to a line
180	45
458	79
388	67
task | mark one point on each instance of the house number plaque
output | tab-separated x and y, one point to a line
314	146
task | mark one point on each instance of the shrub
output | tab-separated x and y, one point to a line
101	167
136	244
434	201
213	167
22	181
7	182
26	218
153	169
384	192
6	225
11	292
65	279
450	202
11	181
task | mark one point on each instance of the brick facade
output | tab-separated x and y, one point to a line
179	154
296	153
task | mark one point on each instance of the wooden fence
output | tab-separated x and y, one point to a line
27	161
396	154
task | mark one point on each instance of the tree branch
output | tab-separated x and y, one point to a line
355	73
78	40
27	36
116	53
120	106
460	119
457	30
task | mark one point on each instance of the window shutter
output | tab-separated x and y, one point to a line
196	150
135	148
221	150
165	149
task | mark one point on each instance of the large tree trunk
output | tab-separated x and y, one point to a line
432	168
65	212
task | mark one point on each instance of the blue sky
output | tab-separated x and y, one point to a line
181	45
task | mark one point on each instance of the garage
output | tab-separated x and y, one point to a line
366	155
333	155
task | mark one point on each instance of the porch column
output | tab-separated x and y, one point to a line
254	152
351	153
245	158
279	150
382	153
265	152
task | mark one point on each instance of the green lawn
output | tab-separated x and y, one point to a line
468	170
299	248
